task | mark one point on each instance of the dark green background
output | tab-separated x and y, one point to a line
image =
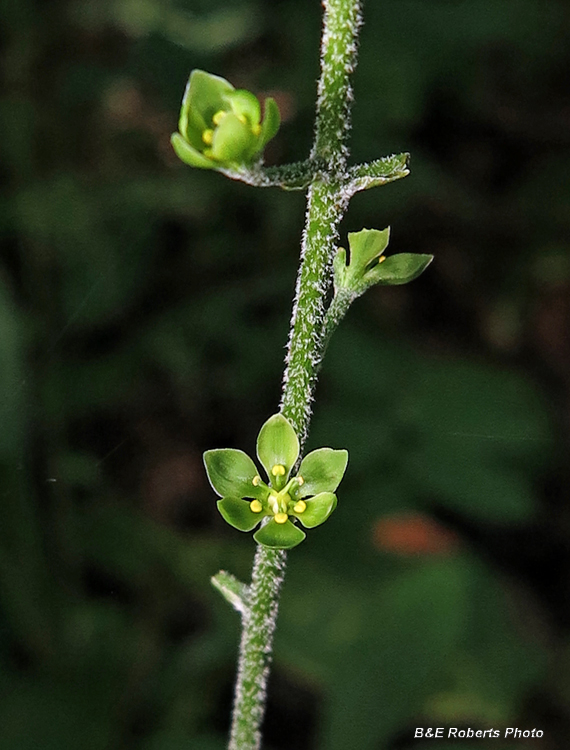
144	310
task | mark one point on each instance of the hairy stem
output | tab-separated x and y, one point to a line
335	313
258	625
325	208
326	203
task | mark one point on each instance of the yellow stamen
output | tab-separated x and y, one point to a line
300	481
208	137
278	470
256	129
219	116
300	506
256	480
256	506
381	259
281	517
242	118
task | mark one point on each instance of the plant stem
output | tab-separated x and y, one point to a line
327	200
335	313
326	203
258	625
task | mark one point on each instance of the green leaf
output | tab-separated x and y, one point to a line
277	444
189	155
398	269
279	535
245	103
322	471
232	140
319	508
205	95
238	513
231	472
270	124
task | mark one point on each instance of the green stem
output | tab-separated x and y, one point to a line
296	176
258	626
327	200
335	313
326	205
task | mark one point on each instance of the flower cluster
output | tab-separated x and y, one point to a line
247	500
220	126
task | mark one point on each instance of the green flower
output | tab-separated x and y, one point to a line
219	126
368	265
246	500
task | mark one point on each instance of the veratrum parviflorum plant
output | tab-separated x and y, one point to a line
222	128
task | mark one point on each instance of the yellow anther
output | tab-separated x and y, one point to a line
300	506
300	481
256	480
256	129
381	259
242	118
208	136
281	517
278	470
256	506
219	116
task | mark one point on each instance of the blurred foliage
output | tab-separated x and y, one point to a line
143	317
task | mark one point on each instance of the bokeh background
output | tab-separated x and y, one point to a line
144	311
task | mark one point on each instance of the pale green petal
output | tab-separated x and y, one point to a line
279	535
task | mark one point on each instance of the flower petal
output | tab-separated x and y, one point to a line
318	510
204	96
189	155
233	140
322	471
365	246
231	472
245	103
277	444
270	124
238	513
279	535
399	269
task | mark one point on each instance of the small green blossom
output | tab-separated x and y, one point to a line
278	503
368	265
220	126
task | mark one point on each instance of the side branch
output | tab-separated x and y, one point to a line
295	176
377	172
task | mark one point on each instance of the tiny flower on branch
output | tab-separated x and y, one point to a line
247	500
220	127
367	264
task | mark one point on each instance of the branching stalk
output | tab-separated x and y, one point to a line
328	198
